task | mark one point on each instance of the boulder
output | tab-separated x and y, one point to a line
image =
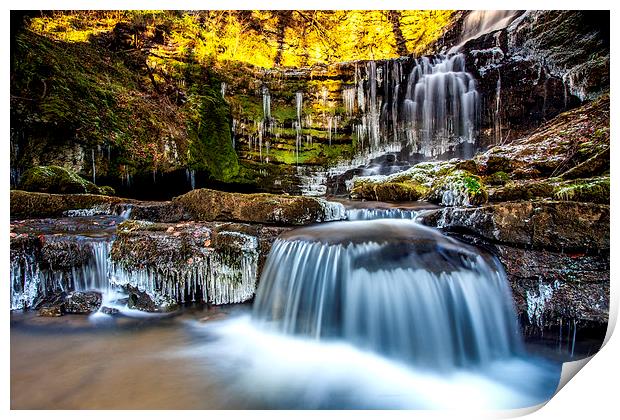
28	205
550	225
82	302
143	301
59	180
211	205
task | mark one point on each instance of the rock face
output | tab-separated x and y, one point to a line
211	205
543	63
556	255
551	225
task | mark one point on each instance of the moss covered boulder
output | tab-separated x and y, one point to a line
211	205
29	205
589	190
389	191
58	180
458	188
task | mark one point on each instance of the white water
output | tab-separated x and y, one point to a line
441	105
480	22
380	314
218	278
373	214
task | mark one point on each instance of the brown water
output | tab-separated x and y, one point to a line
71	363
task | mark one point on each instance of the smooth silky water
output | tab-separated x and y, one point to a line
377	314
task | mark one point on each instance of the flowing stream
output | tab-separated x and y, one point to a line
381	313
375	312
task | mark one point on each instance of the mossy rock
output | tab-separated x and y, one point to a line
107	190
593	190
211	205
58	180
26	205
515	191
55	180
390	191
458	188
497	178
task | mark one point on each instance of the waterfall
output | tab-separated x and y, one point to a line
372	214
92	154
377	314
190	174
223	89
32	278
75	262
392	287
266	103
441	105
480	22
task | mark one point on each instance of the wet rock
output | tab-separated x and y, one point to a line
52	305
143	301
63	253
159	211
82	302
109	311
458	188
28	205
550	288
212	262
211	205
550	225
51	311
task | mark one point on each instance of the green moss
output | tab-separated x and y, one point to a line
283	113
210	146
594	190
56	179
107	190
497	178
458	187
389	191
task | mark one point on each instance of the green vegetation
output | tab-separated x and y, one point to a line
58	180
594	190
209	128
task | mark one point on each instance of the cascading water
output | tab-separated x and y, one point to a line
31	280
298	125
373	214
441	105
378	314
431	302
480	22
